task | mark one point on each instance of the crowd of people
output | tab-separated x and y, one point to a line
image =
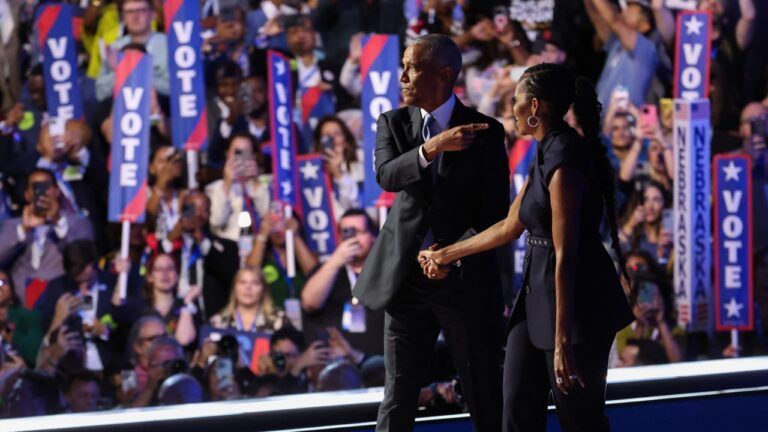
210	312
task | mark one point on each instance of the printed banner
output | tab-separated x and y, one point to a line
280	124
317	206
62	84
253	345
693	261
733	242
692	55
130	144
379	63
519	161
189	120
315	104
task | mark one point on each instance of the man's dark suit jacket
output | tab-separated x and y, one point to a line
470	194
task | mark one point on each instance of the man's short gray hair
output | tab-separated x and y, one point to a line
440	50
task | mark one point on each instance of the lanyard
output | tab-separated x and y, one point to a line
284	273
241	327
352	277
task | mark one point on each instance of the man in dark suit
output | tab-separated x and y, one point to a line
449	166
207	261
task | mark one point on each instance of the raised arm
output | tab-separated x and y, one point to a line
665	21
615	22
745	27
601	26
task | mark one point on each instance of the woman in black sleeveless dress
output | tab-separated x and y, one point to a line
572	303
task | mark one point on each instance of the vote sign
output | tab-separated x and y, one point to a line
692	55
316	204
189	119
130	145
379	62
62	92
733	242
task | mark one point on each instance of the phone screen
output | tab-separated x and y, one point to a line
668	220
224	373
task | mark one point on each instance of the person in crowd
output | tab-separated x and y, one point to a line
181	316
87	292
82	392
240	196
641	352
225	113
632	55
166	358
339	375
654	310
137	17
144	332
31	245
250	306
327	296
63	353
289	370
180	389
101	26
269	255
21	329
343	161
229	43
35	394
266	27
253	95
644	225
373	372
207	260
166	193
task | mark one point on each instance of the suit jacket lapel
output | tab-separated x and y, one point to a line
413	125
460	116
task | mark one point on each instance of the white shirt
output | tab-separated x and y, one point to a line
442	116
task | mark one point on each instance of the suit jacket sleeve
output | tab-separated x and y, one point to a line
394	170
10	246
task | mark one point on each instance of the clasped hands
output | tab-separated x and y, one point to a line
433	264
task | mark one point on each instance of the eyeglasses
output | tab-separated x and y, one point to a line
135	11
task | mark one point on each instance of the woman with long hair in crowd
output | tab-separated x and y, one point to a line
269	254
250	306
343	161
643	228
160	297
572	302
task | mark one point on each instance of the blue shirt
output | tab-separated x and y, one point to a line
631	69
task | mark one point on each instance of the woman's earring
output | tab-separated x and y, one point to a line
532	121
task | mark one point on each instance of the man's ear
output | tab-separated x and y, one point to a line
446	74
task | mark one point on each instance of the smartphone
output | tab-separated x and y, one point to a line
647	292
128	380
322	336
649	116
225	373
348	233
668	220
87	303
187	210
757	126
327	142
621	96
38	190
500	18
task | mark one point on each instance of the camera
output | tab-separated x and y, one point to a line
278	359
228	347
87	303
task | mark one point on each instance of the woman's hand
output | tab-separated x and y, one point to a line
432	263
567	373
333	161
